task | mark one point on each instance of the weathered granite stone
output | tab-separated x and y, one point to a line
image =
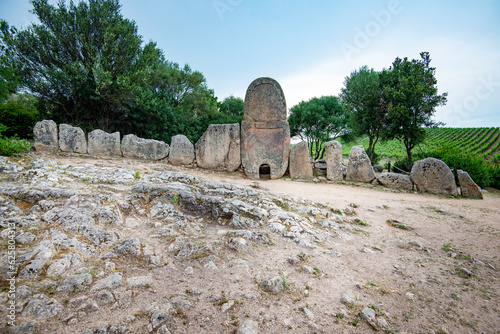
45	135
468	187
433	176
396	181
333	157
140	282
248	327
72	139
265	133
300	162
103	144
359	168
65	262
41	307
274	285
147	149
219	147
181	151
75	282
110	282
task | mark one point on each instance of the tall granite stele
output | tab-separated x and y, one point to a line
265	133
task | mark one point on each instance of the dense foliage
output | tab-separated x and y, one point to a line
361	95
88	67
18	118
317	121
410	98
12	146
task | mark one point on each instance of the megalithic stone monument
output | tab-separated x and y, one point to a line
265	133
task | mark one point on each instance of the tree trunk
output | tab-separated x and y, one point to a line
370	148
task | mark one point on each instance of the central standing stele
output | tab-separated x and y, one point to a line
265	133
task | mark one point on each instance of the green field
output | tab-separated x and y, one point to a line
483	142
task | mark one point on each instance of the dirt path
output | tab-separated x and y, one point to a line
438	274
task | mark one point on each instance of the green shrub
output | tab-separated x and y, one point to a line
12	146
482	172
18	118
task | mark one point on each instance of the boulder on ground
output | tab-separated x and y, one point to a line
300	162
181	151
333	157
468	187
433	176
219	147
72	139
103	144
396	181
45	135
147	149
359	168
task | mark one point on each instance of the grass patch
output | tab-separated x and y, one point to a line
397	224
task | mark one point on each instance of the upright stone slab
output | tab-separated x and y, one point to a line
219	147
45	135
104	144
300	162
265	133
147	149
433	176
72	139
333	157
181	151
468	188
359	168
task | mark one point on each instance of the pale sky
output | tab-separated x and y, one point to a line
309	47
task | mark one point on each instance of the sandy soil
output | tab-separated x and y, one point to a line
417	279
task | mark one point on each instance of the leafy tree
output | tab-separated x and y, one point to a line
361	95
18	119
317	121
232	106
87	65
8	79
80	60
410	98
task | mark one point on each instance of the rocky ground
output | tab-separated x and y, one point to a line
125	246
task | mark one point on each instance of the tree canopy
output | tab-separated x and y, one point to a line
317	121
410	96
89	67
362	96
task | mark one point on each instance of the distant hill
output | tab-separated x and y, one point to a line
484	142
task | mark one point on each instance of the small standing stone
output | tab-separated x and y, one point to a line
103	144
45	135
181	151
333	157
300	162
219	147
359	168
72	139
468	187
